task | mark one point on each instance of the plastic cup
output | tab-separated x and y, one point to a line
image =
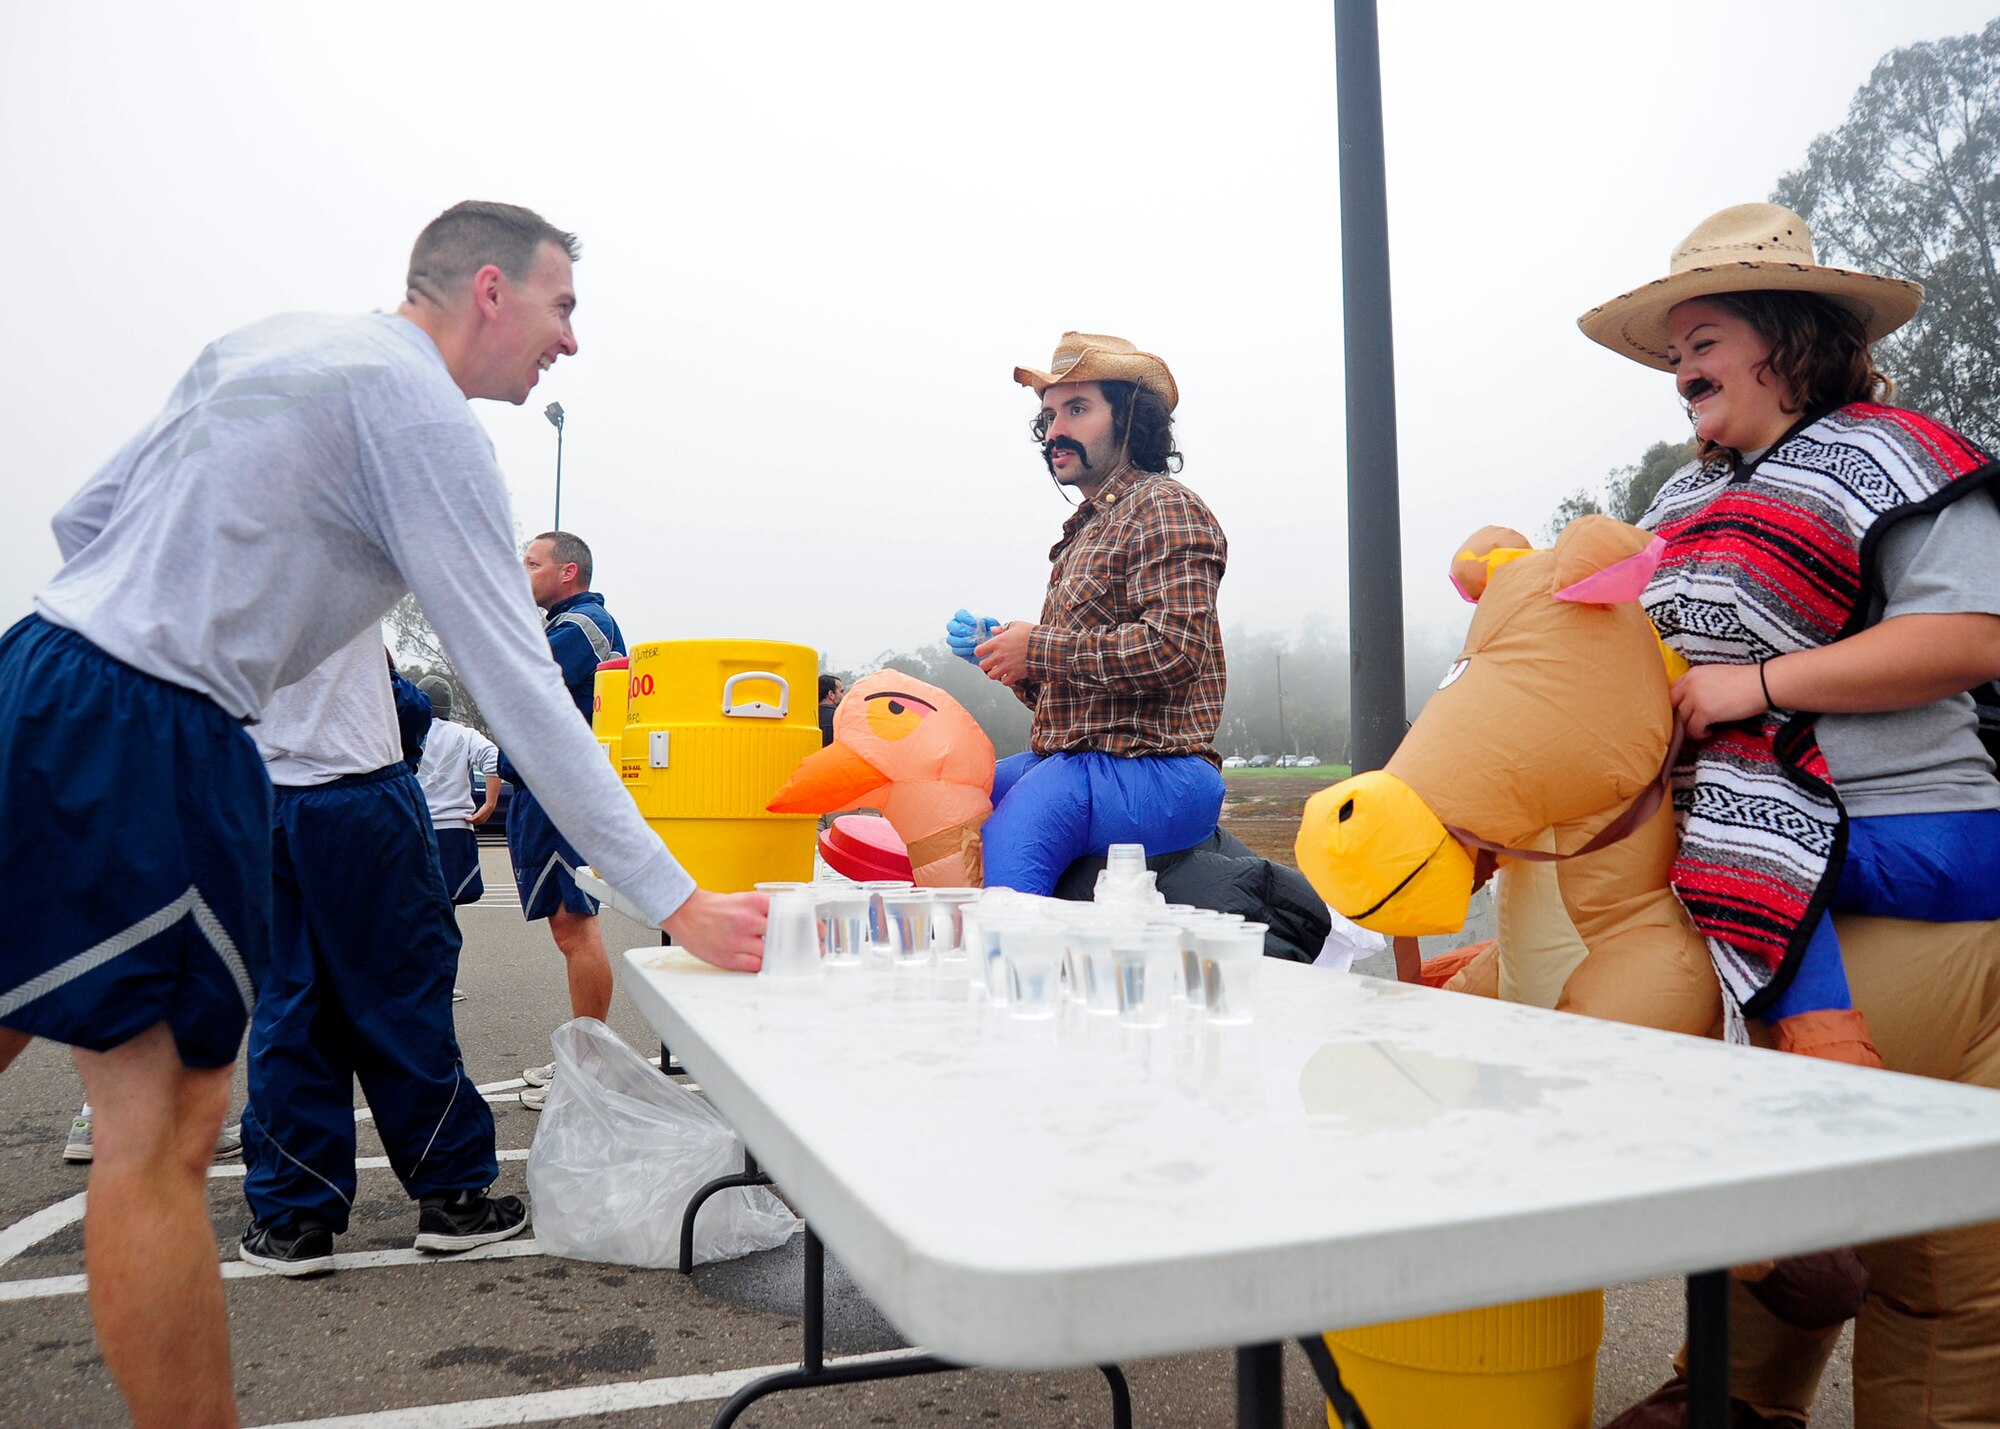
842	911
948	922
782	886
1230	960
1191	923
878	927
988	957
1145	965
791	938
1093	976
1125	860
908	914
1033	953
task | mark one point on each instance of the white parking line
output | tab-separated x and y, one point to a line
64	1214
54	1286
572	1403
40	1226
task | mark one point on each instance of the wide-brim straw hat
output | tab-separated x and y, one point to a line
1093	357
1753	247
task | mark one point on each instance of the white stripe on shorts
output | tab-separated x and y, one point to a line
90	959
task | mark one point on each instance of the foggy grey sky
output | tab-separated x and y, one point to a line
818	238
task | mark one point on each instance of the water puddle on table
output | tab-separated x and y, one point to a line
1380	1086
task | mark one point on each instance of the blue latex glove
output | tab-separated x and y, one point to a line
966	631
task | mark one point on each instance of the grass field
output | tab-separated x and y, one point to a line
1326	773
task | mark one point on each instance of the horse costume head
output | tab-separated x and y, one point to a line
1546	740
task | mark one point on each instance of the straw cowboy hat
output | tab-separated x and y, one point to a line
1753	247
1093	357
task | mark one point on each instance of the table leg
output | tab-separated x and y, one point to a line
814	1372
1346	1411
1260	1387
1708	1350
748	1176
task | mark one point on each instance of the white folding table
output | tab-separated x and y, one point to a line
1074	1192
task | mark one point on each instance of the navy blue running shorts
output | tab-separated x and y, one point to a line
544	863
135	853
458	860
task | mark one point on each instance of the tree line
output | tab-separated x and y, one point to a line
1908	185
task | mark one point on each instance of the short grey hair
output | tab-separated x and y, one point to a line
568	549
467	236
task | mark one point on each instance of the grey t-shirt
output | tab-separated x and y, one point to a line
1928	759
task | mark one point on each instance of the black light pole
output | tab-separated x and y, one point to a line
1374	519
554	413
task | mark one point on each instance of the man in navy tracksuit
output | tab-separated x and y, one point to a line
581	634
363	956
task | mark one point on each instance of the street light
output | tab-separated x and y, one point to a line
554	413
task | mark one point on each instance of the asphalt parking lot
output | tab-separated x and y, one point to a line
507	1335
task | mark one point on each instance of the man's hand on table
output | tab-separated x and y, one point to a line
726	929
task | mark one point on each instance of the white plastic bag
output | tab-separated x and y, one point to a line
619	1152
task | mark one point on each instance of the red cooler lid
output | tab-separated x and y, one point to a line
616	662
864	847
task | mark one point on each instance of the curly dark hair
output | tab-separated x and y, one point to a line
1141	421
1819	352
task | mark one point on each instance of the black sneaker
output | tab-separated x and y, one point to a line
304	1249
465	1219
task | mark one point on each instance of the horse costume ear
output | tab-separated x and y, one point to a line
1484	552
1600	561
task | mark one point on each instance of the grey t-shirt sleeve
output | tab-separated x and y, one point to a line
1929	759
444	518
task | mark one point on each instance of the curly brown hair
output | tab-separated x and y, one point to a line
1819	352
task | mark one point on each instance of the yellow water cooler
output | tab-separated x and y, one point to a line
713	729
607	706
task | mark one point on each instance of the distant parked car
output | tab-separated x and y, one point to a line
1305	761
1260	761
1235	761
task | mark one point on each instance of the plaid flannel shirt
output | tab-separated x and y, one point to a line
1127	659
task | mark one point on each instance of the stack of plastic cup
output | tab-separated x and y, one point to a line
1231	955
791	938
1125	881
842	911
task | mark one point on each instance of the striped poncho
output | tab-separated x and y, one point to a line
1760	561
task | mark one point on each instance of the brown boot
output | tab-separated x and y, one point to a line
1666	1408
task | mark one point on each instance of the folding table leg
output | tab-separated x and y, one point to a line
748	1176
1260	1387
1708	1350
1346	1409
814	1372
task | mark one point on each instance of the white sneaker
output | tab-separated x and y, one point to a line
229	1143
534	1098
78	1148
458	994
539	1076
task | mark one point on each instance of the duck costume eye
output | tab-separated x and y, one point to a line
894	715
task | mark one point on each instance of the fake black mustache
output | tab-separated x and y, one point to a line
1700	387
1064	444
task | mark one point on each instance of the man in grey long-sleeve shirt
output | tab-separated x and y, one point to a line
303	474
